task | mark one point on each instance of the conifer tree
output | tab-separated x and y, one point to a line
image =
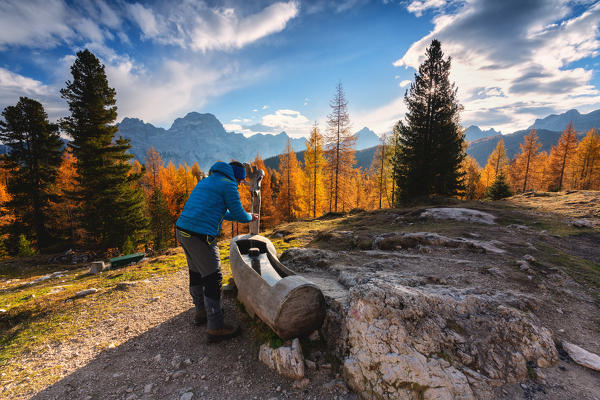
395	162
112	203
499	189
379	169
587	161
290	200
561	157
33	160
340	147
431	142
314	163
197	172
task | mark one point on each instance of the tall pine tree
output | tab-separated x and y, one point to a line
431	142
33	160
112	202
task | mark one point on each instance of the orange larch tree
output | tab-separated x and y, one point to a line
497	163
474	187
289	201
522	167
269	215
587	162
380	170
64	210
314	164
561	159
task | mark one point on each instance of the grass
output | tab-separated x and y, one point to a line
583	271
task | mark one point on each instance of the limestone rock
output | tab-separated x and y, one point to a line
85	292
96	267
438	343
306	259
287	361
582	356
460	214
400	240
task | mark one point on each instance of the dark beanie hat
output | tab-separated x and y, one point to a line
238	170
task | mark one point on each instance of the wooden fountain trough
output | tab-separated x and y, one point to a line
290	304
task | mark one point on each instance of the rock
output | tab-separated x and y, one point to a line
287	361
56	289
301	384
96	267
582	356
314	336
460	214
178	374
187	396
529	258
155	298
148	388
405	342
157	358
306	259
400	240
582	223
310	365
125	285
85	292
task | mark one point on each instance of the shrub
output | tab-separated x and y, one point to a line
499	189
24	247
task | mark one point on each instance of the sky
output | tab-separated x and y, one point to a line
265	66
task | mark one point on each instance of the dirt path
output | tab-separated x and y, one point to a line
154	352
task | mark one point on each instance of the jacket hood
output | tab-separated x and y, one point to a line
223	168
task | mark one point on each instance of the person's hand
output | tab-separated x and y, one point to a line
254	216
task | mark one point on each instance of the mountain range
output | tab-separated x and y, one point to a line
202	138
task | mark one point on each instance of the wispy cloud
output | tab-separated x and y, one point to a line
509	56
197	26
13	86
417	7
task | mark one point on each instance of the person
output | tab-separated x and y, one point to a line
214	199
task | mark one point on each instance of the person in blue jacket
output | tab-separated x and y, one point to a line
214	199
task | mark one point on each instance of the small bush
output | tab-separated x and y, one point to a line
128	247
499	189
24	247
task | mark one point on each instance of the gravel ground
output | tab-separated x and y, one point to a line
155	352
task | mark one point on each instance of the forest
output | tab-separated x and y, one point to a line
92	194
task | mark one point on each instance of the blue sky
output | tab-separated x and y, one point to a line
264	66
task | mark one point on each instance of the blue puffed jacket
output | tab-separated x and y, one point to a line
214	199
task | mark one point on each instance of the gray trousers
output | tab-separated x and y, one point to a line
204	266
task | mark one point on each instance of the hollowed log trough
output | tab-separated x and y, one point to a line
290	304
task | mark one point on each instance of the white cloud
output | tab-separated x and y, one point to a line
255	110
381	119
265	107
13	86
37	23
404	83
417	7
511	59
291	121
199	27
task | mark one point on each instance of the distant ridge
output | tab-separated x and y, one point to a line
201	138
558	122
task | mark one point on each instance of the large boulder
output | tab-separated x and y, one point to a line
437	343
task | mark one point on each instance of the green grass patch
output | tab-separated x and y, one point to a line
581	270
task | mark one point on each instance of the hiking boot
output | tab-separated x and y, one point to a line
200	317
224	333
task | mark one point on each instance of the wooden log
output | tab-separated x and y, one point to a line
290	304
